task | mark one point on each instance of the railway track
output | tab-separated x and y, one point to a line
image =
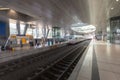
49	65
60	70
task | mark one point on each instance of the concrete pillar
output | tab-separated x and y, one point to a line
18	26
7	28
26	27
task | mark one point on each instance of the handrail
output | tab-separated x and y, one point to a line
7	41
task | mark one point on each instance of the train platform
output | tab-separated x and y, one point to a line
101	61
27	50
24	51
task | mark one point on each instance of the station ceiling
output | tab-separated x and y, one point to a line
64	13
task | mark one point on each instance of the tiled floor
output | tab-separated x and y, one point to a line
108	59
108	62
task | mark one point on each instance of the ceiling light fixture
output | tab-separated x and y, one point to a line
84	29
4	9
112	8
12	11
117	0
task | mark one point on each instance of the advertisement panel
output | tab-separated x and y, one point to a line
2	29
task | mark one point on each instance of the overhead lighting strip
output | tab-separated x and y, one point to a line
1	9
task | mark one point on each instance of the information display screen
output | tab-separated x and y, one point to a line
2	29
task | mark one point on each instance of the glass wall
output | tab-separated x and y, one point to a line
22	27
37	30
115	30
56	32
12	27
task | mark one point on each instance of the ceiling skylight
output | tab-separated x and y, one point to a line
84	29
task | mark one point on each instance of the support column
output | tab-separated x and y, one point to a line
44	31
18	27
26	27
108	31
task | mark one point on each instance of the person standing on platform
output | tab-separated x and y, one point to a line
36	41
21	45
0	48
